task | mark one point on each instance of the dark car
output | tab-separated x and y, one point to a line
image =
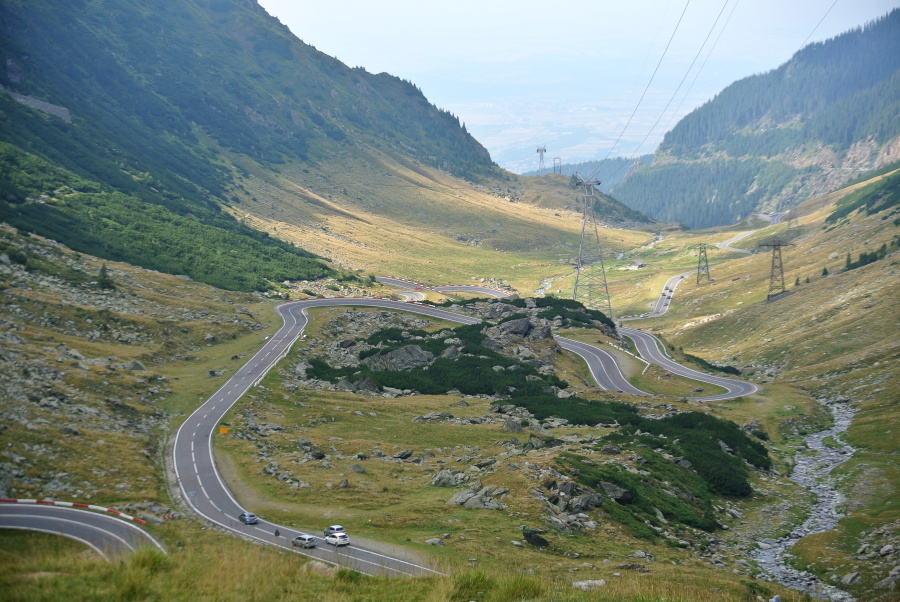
248	518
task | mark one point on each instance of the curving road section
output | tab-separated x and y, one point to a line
651	349
108	536
602	365
199	480
725	245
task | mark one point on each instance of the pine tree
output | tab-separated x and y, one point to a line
797	281
824	271
103	279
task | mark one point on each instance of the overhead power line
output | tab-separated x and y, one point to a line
646	88
683	79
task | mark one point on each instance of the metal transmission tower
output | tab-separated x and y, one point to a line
557	165
590	274
792	219
776	276
702	263
541	150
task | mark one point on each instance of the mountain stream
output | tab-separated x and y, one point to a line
813	472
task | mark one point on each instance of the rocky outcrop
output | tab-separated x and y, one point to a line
483	499
404	358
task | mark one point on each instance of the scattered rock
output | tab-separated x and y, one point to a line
590	585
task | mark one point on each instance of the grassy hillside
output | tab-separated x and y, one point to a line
388	215
833	337
214	124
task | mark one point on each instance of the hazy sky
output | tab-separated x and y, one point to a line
522	73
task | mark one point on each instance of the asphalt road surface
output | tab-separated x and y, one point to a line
649	347
107	535
202	486
602	365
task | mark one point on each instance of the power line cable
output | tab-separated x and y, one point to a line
681	83
683	79
763	93
622	133
702	65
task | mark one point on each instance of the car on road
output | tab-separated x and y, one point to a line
338	539
334	529
305	541
248	518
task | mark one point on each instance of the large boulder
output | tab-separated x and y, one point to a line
520	327
540	332
404	358
584	502
461	497
449	478
534	538
616	493
366	385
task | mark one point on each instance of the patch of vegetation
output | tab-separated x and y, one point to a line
680	496
207	245
712	367
472	373
874	198
867	258
569	309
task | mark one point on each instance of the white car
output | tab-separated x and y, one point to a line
338	539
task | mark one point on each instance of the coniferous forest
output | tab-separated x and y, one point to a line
772	140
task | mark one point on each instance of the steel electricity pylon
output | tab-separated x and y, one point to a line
776	275
541	151
702	263
591	288
792	221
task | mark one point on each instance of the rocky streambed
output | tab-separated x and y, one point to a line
813	471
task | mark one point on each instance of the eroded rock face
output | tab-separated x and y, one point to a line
404	358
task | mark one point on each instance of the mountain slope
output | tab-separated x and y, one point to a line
137	99
771	140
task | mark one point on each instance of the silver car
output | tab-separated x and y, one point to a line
334	529
304	541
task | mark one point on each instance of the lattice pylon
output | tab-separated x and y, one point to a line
776	275
792	221
703	263
591	288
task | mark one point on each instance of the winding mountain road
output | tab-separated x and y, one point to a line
651	349
202	486
109	536
203	489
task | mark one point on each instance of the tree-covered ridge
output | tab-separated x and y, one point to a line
838	91
771	140
159	94
92	218
712	192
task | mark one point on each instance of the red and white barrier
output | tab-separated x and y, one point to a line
74	505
